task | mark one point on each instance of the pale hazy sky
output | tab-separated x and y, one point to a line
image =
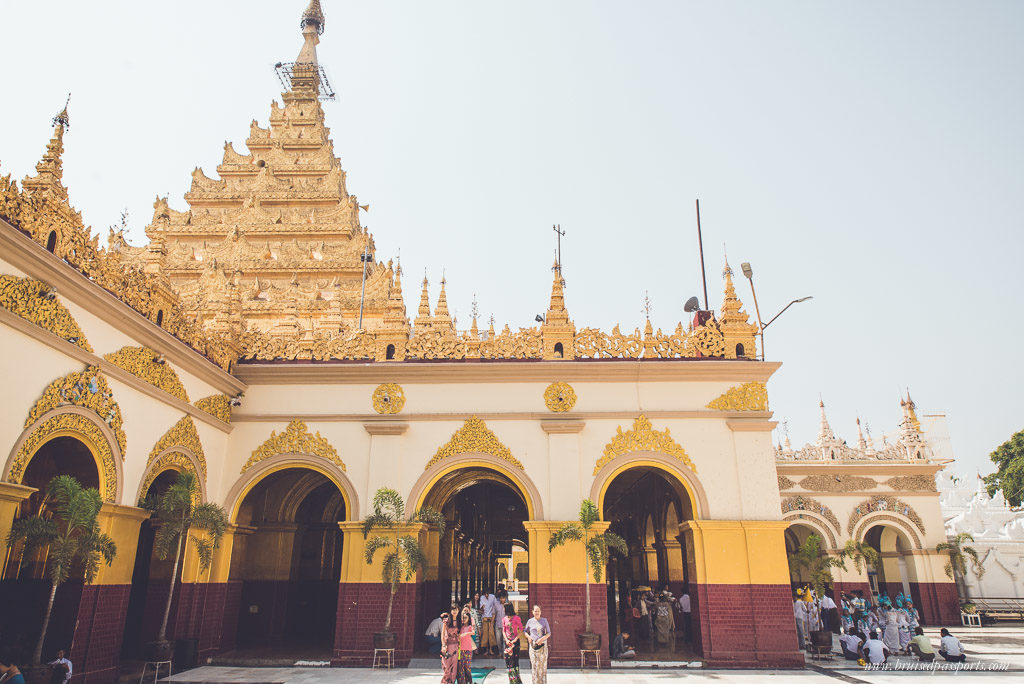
870	154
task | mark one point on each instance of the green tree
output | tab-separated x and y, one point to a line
861	553
811	557
179	514
1009	475
959	552
72	533
403	555
596	546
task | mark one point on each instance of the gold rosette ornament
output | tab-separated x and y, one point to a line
559	397
388	398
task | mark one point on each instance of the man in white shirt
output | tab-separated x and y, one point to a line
684	607
826	606
850	643
433	636
800	613
63	663
488	641
950	648
874	650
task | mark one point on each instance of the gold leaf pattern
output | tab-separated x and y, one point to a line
296	439
217	405
806	503
173	460
88	389
60	425
837	483
785	483
388	398
143	363
912	483
642	437
35	302
182	434
474	437
889	504
750	396
559	397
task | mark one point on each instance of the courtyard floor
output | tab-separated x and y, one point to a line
992	652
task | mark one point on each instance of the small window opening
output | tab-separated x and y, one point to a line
51	241
160	317
739	350
558	350
389	354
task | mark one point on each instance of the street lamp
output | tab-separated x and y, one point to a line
749	273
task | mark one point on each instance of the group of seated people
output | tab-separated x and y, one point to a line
857	646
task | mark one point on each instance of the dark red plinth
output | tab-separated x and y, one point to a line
937	602
747	625
563	606
96	645
361	611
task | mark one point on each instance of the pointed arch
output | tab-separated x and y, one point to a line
294	439
180	449
642	437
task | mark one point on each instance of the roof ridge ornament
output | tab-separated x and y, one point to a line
313	16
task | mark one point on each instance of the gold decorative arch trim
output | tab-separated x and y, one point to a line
898	523
217	405
796	505
474	437
295	439
171	460
642	437
750	396
886	504
146	364
69	424
182	434
87	389
36	302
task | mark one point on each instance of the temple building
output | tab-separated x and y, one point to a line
257	342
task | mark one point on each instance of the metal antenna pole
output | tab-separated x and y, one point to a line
703	274
365	256
558	230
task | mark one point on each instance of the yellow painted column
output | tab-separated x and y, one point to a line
122	524
11	496
674	558
354	567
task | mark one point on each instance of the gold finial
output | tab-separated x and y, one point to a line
441	310
423	315
647	306
313	16
62	118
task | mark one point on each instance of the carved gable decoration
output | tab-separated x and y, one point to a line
642	437
36	303
147	365
172	460
912	483
296	439
88	389
837	483
217	405
474	437
785	483
750	396
182	434
889	504
799	504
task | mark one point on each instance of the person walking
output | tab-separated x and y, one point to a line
512	628
538	632
466	630
685	609
664	621
474	608
450	646
488	642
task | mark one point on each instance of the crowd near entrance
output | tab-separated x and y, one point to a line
287	558
649	591
893	574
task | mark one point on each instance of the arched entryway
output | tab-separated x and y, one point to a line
895	572
645	505
485	544
286	556
25	587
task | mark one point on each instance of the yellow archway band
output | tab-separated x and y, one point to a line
737	551
290	465
640	463
479	463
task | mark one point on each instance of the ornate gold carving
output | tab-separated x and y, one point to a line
837	483
889	504
296	439
785	483
642	437
705	340
388	398
474	437
912	483
182	434
88	389
148	365
173	460
805	503
36	303
559	397
217	405
750	396
914	538
76	425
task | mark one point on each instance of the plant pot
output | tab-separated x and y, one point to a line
821	638
160	650
36	674
384	640
589	641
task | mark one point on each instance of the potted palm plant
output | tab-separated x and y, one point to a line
72	533
956	566
596	547
178	514
811	559
402	553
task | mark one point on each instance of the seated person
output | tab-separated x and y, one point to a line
850	644
621	650
950	648
433	637
921	646
874	650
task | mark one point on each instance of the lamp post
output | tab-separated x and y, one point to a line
749	273
364	257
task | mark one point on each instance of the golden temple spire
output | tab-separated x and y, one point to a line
423	318
910	413
441	314
825	434
740	335
861	442
476	312
558	331
394	309
49	169
556	308
305	73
